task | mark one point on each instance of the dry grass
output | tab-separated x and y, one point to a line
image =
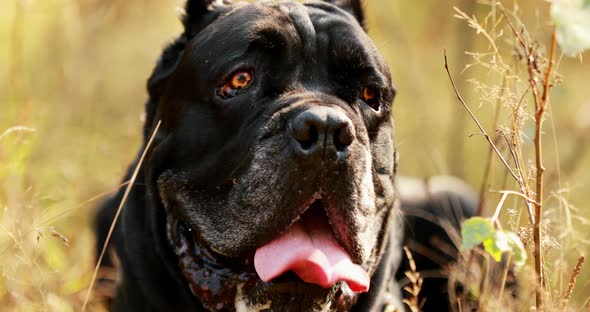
72	77
523	73
415	284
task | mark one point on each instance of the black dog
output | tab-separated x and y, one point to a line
270	183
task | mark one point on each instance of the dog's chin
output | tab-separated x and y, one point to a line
222	283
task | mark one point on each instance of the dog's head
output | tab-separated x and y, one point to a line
272	172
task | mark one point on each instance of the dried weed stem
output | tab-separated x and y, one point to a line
570	287
483	131
413	289
119	209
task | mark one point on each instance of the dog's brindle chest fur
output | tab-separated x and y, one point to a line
227	174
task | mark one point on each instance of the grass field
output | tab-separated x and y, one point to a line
72	89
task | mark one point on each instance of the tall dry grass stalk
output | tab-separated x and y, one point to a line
415	284
522	72
573	279
117	214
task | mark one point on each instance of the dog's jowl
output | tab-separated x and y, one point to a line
270	184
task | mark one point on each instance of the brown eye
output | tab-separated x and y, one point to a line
241	80
237	83
371	97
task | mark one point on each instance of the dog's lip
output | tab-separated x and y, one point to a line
214	279
184	240
208	275
176	218
315	202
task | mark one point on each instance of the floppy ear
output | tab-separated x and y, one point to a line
197	14
155	85
197	7
354	7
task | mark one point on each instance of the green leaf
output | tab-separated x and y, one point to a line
586	4
478	230
517	249
497	245
475	231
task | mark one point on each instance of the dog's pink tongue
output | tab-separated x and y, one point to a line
309	249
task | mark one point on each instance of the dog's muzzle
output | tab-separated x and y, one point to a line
321	132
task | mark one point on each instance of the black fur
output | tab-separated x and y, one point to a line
228	169
355	7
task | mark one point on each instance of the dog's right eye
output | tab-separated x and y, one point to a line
370	96
236	84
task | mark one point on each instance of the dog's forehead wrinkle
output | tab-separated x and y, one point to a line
276	28
231	31
304	26
319	27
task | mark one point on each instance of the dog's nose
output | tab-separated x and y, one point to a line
322	129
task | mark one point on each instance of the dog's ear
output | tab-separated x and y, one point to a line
197	14
355	7
155	85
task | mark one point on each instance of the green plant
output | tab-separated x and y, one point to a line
517	92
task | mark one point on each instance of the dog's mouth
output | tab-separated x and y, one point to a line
305	259
309	249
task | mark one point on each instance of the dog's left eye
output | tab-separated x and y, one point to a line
236	84
371	97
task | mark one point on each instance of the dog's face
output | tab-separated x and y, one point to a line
272	172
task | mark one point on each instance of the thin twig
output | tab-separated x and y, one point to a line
505	270
483	189
82	204
496	215
505	194
488	167
525	197
540	170
512	153
547	85
540	108
16	129
119	209
520	180
62	213
483	131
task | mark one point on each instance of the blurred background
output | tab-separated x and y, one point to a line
72	89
